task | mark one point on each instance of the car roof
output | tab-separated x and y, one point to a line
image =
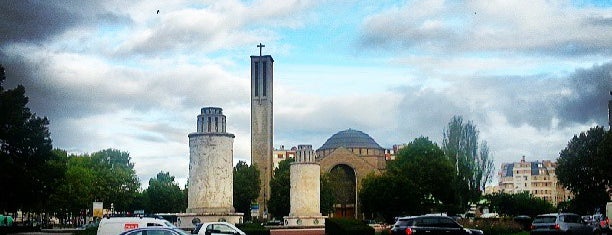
556	214
152	228
423	216
208	223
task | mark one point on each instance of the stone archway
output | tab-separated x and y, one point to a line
344	179
361	167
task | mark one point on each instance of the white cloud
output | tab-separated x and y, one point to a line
540	27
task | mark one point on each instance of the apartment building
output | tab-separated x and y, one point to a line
537	177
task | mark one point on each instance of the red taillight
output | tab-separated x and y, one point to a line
557	227
533	227
408	231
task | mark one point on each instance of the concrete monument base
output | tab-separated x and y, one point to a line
188	221
304	221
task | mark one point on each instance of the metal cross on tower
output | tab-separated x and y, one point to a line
260	47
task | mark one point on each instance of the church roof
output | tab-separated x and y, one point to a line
350	138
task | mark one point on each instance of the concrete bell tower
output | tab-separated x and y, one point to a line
262	123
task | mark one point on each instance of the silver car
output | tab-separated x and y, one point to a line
560	223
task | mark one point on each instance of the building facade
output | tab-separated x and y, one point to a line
282	154
537	178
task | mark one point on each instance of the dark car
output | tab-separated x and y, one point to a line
430	225
560	223
155	231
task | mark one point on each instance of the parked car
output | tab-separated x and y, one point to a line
430	224
155	231
117	225
217	228
560	223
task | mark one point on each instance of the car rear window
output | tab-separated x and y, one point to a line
544	219
572	219
405	222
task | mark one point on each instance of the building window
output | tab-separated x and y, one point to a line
264	85
209	122
216	124
256	79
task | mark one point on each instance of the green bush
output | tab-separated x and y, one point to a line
87	231
347	226
493	226
253	229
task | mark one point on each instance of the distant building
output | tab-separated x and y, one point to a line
537	178
390	154
281	154
492	189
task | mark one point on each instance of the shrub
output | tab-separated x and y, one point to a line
493	226
253	229
342	226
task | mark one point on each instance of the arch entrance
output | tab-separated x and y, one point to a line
344	180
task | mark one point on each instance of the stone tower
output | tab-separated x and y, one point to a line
305	190
261	124
210	193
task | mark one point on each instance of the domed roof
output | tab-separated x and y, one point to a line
350	139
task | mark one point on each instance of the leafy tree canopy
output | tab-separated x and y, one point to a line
246	187
584	168
27	164
279	204
164	195
417	182
519	204
473	165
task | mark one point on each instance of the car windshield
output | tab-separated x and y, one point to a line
544	219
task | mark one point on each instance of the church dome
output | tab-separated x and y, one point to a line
350	139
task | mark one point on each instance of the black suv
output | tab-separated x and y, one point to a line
430	225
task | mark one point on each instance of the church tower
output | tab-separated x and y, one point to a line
262	123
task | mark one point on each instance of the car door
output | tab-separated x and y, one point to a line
449	226
220	229
428	226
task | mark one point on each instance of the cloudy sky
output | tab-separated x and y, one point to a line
115	74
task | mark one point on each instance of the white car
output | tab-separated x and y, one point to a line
217	228
117	225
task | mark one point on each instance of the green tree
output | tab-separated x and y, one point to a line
584	168
473	165
389	195
519	204
76	191
27	166
279	204
116	180
164	195
416	182
326	195
246	187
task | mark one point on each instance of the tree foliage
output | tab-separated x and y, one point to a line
246	187
116	179
326	194
164	195
473	165
107	176
279	204
584	168
388	195
28	168
417	182
519	204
